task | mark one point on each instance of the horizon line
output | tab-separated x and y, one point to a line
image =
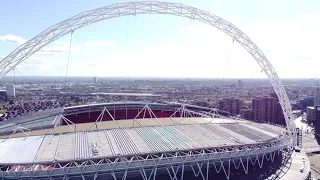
141	77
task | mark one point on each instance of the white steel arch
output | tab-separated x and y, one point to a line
151	7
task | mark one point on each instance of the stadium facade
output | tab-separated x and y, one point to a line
131	140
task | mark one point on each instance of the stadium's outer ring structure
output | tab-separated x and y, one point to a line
151	7
176	162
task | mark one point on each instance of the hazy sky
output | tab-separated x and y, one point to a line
287	31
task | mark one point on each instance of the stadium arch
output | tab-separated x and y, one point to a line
151	7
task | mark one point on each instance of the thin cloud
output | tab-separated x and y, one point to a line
98	44
217	2
63	46
46	53
33	61
12	39
59	46
92	65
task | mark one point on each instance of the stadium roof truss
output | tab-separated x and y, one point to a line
179	112
144	110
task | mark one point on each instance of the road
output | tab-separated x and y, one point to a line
310	145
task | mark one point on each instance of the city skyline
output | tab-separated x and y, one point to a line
129	46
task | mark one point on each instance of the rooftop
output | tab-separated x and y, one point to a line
106	139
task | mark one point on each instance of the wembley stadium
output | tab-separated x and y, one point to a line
139	140
132	139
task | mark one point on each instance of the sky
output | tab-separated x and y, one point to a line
287	31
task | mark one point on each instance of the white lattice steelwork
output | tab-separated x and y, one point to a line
147	151
150	7
218	159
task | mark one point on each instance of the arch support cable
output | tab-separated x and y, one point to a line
70	44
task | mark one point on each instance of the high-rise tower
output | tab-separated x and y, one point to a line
317	95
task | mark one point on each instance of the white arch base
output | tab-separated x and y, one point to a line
151	7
